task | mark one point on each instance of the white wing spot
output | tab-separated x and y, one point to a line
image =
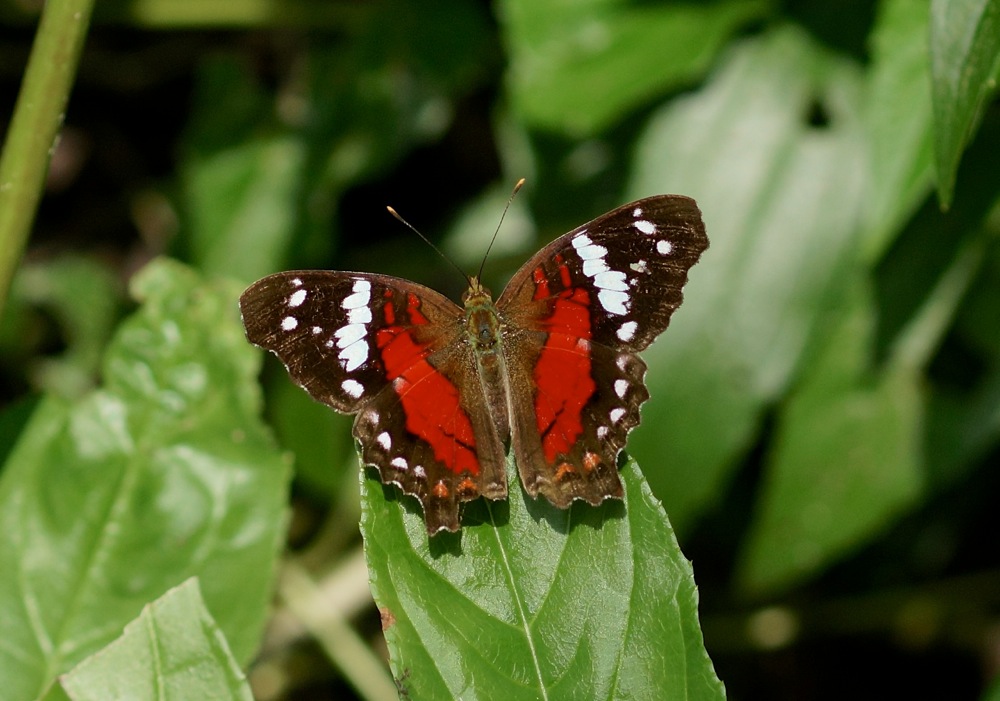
317	330
297	282
646	227
621	387
614	301
602	432
595	266
353	388
329	343
587	249
399	463
616	415
626	331
622	360
664	247
611	280
346	335
297	298
639	266
419	472
361	295
637	212
354	355
289	323
360	315
613	294
351	337
384	440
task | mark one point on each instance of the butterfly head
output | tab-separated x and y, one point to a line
482	323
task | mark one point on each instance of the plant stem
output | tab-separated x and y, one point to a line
34	127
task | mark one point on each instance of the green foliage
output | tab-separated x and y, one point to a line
831	380
750	312
965	67
562	57
163	473
173	650
574	603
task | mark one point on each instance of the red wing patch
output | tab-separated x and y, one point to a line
430	400
562	373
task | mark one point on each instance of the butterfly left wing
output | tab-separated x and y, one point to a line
575	317
388	350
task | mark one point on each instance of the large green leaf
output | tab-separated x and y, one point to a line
533	602
163	474
847	459
965	66
173	651
772	150
578	67
850	453
898	119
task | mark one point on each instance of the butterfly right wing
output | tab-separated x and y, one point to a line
390	351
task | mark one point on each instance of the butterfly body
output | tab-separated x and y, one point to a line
550	369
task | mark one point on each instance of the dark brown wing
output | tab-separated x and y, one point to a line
392	352
574	317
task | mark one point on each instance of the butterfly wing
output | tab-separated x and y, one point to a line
575	317
390	351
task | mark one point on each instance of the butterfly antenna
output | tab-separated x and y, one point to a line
510	199
415	230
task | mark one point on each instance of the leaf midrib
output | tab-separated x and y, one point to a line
519	603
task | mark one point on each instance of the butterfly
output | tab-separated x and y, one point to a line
550	369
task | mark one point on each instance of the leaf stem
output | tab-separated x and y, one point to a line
344	647
38	116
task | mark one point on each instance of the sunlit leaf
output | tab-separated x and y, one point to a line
898	119
965	66
847	458
173	650
565	55
772	150
529	601
163	473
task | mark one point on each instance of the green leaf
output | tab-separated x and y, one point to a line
163	474
898	119
83	297
965	66
563	55
173	650
847	460
772	150
850	451
533	602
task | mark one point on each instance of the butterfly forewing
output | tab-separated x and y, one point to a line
581	308
390	351
633	262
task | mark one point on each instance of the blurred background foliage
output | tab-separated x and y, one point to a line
825	413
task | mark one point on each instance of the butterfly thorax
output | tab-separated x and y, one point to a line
482	326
